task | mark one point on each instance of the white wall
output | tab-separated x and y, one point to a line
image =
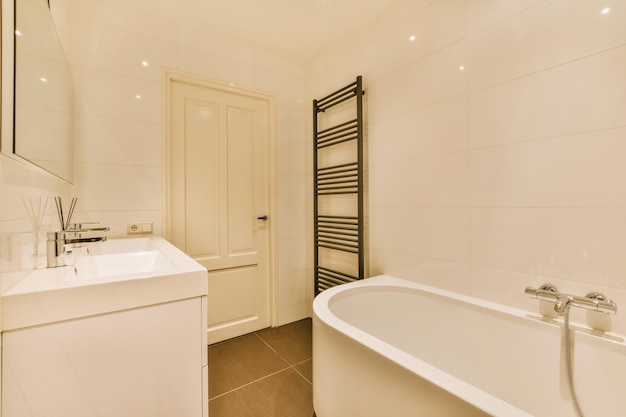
24	185
497	144
484	180
119	135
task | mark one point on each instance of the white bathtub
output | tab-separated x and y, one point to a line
389	347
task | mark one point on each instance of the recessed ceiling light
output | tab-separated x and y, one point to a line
412	38
606	10
144	63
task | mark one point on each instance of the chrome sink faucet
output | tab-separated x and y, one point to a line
76	235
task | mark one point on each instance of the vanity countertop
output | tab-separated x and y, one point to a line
115	275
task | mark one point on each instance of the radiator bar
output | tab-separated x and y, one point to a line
328	278
335	130
337	97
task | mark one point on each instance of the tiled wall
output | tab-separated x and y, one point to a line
22	185
117	55
496	139
497	144
118	126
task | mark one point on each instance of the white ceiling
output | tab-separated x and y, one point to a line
298	29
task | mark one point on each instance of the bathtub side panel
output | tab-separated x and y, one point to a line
353	381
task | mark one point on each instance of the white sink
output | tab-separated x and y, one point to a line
109	276
121	265
123	246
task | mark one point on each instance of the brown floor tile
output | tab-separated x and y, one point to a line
239	362
292	341
306	369
285	394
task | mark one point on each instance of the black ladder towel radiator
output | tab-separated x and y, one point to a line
339	255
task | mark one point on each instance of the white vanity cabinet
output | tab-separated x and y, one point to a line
109	348
140	362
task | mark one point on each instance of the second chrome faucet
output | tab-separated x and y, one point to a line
592	301
78	234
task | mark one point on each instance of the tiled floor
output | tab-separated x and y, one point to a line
263	374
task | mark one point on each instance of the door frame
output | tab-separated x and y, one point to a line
168	76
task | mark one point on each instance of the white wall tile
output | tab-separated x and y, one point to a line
399	12
294	290
617	268
106	94
430	80
272	62
213	66
119	142
292	256
290	92
567	243
125	17
485	13
117	50
409	182
292	157
553	32
118	187
618	321
583	170
434	27
291	192
292	223
505	287
372	105
584	95
440	273
436	129
204	40
358	61
291	125
433	232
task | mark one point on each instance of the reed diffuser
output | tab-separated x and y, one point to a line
36	211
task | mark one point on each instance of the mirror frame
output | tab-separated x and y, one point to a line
7	85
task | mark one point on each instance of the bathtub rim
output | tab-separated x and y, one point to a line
461	389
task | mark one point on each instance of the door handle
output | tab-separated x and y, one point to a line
264	218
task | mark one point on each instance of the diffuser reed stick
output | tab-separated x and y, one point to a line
65	222
35	213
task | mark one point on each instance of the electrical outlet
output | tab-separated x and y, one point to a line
133	228
136	228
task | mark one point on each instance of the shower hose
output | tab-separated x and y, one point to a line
568	364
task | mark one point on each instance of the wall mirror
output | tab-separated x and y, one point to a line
40	90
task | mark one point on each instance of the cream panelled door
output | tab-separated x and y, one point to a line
218	196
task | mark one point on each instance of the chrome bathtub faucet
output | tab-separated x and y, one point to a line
592	301
77	235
